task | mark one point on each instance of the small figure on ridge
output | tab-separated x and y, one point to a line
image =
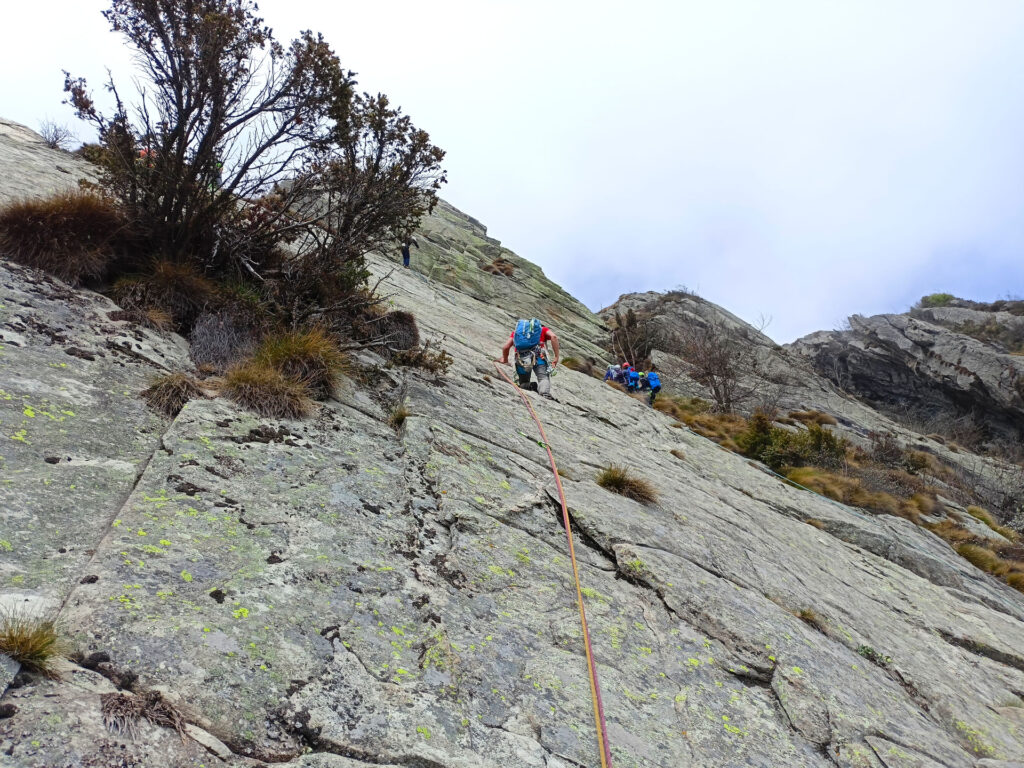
405	250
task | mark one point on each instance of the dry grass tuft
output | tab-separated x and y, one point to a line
73	235
122	711
168	394
678	454
984	559
696	413
34	641
951	533
622	481
398	416
310	357
850	490
815	523
1016	580
159	319
985	516
809	616
926	503
265	390
500	266
813	417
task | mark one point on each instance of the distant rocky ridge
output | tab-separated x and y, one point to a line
872	384
333	593
939	361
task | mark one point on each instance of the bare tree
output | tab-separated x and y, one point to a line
224	112
376	179
56	136
727	366
634	336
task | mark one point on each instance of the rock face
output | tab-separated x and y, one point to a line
332	593
920	363
31	168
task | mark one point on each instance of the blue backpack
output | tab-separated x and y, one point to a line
527	335
653	380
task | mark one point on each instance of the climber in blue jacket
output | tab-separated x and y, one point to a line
634	380
654	382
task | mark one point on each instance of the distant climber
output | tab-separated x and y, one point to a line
654	383
614	373
633	382
530	340
405	251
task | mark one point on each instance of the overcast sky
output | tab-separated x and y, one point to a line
800	160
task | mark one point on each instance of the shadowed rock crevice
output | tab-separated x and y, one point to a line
979	648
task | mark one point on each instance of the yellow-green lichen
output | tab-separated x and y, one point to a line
975	738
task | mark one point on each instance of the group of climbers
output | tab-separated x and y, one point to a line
530	339
634	380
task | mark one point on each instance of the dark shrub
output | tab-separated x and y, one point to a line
73	235
267	391
168	394
399	330
175	287
937	299
430	357
886	449
56	136
219	340
779	448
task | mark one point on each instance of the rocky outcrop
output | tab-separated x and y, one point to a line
331	593
32	169
818	372
898	362
777	374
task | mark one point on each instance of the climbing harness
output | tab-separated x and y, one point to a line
595	689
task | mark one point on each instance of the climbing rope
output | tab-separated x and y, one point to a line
595	688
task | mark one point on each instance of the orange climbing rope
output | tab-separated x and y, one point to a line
595	688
